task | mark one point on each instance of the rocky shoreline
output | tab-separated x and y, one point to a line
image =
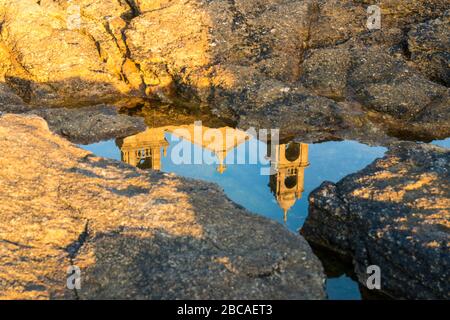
134	234
308	67
257	63
394	214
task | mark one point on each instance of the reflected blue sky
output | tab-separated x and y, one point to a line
244	184
442	143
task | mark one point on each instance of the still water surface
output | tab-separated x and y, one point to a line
298	169
282	197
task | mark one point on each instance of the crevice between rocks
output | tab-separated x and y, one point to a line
74	248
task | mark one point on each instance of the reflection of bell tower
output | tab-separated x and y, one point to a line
287	184
144	149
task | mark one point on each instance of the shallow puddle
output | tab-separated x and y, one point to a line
442	143
296	168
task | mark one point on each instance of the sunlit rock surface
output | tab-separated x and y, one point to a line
246	59
53	61
134	234
394	214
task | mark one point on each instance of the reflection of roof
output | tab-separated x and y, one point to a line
219	141
151	137
287	201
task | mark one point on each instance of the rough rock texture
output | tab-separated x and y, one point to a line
307	117
243	58
10	102
399	98
51	61
134	234
90	124
79	125
395	214
429	45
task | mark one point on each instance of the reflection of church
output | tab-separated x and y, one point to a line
288	163
143	150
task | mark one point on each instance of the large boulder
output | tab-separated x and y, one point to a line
394	214
224	49
219	51
133	234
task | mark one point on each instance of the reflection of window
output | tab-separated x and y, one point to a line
290	182
145	163
292	151
143	153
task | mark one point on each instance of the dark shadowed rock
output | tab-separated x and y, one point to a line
429	44
395	214
90	124
133	234
392	94
10	102
308	117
